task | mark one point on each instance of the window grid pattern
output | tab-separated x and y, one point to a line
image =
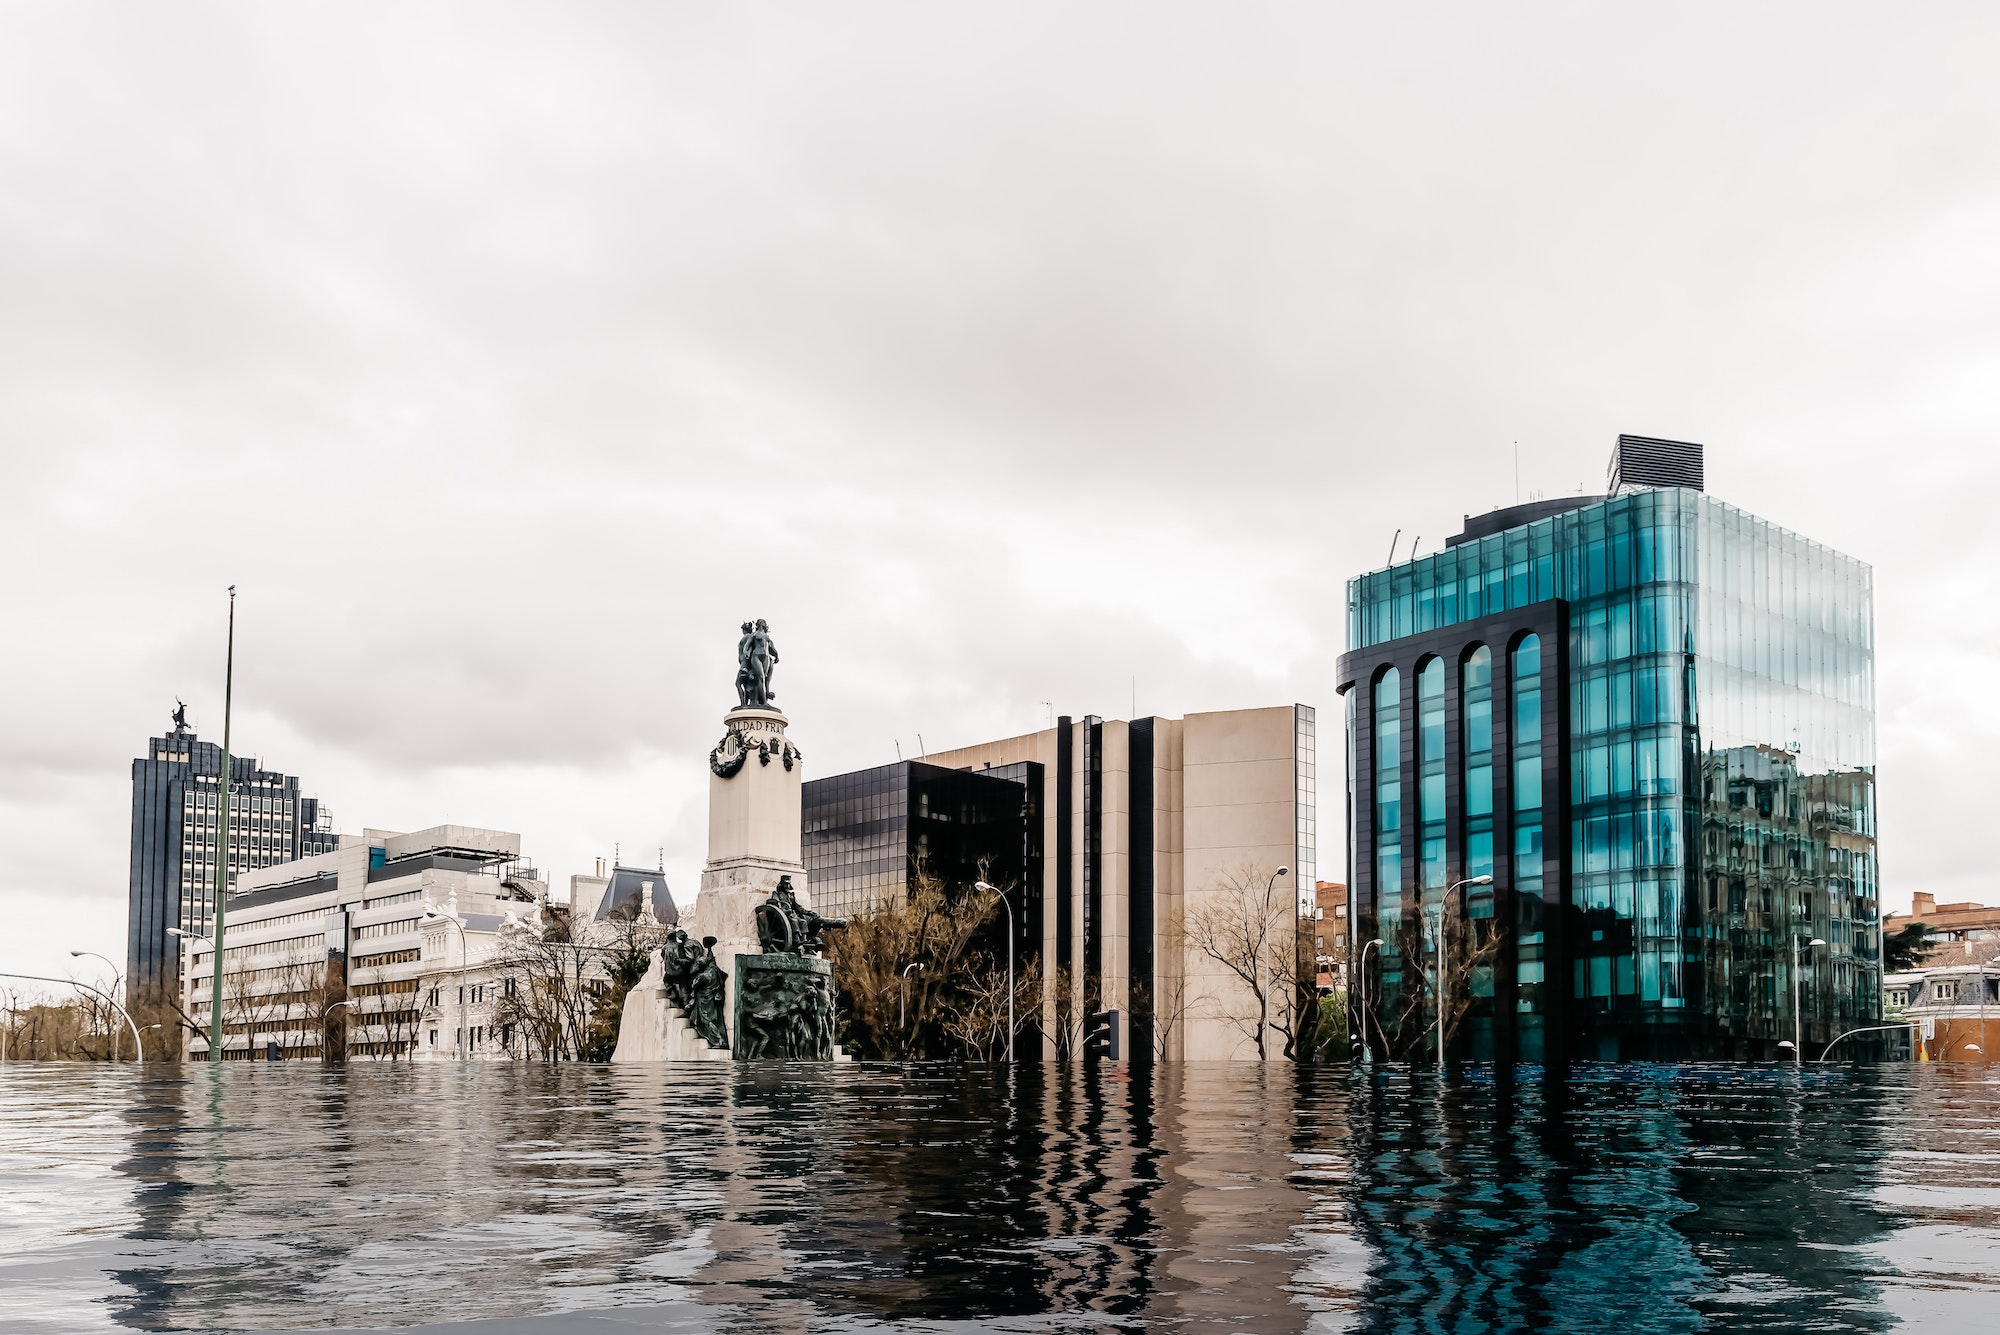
1305	758
1721	752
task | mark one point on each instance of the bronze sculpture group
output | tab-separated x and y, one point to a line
756	660
694	982
784	1005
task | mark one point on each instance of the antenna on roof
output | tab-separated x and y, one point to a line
1392	546
616	855
1413	545
899	749
663	857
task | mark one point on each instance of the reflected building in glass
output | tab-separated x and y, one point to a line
1649	718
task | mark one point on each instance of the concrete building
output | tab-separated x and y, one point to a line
1649	719
385	946
1142	826
1964	930
176	802
1330	937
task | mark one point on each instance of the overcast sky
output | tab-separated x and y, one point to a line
506	359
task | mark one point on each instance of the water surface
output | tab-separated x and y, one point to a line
504	1199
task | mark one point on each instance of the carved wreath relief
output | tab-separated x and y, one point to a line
736	748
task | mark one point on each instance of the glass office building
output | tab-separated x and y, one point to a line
866	833
1649	718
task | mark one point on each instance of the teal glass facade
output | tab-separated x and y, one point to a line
1665	800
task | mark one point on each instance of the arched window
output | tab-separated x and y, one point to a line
1430	766
1478	708
1388	794
1526	742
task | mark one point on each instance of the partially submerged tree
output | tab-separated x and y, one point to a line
913	981
1468	951
1248	924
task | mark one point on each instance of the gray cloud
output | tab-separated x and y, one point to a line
507	358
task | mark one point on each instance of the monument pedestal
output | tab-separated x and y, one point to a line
755	802
781	1002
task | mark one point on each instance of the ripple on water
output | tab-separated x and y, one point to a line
497	1199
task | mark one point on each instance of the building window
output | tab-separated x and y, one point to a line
1525	742
1478	707
1944	989
1388	795
1430	785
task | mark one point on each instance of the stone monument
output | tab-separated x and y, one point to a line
756	980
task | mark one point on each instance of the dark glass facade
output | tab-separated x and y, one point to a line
1650	719
176	799
866	832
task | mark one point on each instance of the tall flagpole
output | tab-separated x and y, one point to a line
215	1027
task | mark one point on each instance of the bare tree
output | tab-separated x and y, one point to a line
1469	946
1248	925
1067	1011
979	1019
1165	1004
892	1008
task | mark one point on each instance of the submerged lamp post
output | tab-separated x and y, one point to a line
1001	896
215	1031
116	979
1264	1006
1444	899
1362	979
1798	1024
903	997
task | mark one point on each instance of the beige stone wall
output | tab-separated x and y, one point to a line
1040	748
1224	798
1240	817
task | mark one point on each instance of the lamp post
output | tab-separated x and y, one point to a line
1362	970
137	1046
1444	899
458	1043
997	894
215	1029
903	997
1798	1023
116	979
1911	1025
185	935
1263	1004
325	1018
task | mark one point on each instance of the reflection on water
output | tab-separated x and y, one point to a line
1630	1198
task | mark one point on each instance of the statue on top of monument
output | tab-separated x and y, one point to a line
756	660
180	716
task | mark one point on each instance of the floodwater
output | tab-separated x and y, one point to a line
603	1201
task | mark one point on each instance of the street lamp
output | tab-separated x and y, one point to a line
458	1043
903	997
1443	899
1363	979
1263	1006
116	979
137	1046
1798	1024
999	895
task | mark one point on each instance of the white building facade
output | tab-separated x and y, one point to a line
393	947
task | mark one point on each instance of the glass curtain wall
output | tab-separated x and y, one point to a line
1388	733
1721	760
1530	939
